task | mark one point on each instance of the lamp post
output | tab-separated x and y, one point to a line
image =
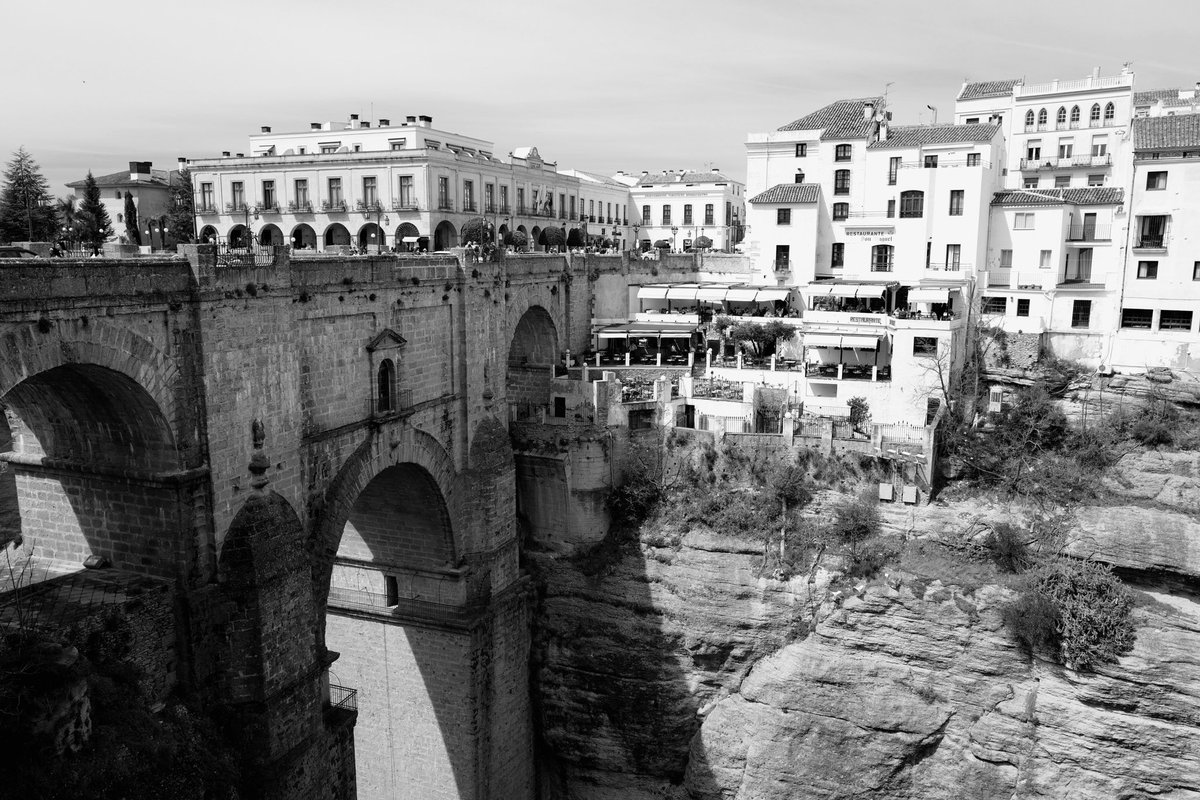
674	233
376	208
637	244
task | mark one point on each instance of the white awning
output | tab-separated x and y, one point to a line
684	292
741	295
411	239
712	294
929	295
652	293
822	340
846	290
676	330
766	295
861	342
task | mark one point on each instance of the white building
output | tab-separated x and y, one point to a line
680	206
151	192
343	184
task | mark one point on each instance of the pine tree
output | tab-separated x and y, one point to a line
26	205
181	220
97	227
131	220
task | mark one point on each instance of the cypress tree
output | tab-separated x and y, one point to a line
97	228
181	220
131	220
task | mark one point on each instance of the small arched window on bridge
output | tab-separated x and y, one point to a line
385	394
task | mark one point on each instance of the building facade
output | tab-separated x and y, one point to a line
681	206
151	192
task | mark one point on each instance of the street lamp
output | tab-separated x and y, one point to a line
376	208
674	231
637	244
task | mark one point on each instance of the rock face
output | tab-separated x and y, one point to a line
680	672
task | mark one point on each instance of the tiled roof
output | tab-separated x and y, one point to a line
790	193
1148	97
158	177
916	135
839	120
1081	196
683	177
972	91
1154	133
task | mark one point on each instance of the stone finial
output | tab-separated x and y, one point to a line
259	464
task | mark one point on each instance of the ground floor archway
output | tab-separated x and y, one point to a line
371	238
304	237
445	236
270	235
336	235
239	236
407	237
208	235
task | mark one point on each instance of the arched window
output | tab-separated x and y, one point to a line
1042	117
881	258
1110	112
1029	118
1061	117
385	390
912	205
1094	117
1074	115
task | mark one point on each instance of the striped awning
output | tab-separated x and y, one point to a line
629	330
836	340
846	290
742	294
653	292
683	292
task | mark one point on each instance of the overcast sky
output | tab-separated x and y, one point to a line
601	85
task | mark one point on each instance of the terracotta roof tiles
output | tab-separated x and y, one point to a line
842	119
916	135
1157	133
973	91
789	193
1079	196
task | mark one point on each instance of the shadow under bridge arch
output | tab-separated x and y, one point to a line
532	360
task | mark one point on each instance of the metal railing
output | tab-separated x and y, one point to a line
368	205
949	266
445	205
1158	242
333	205
404	205
235	208
209	209
1089	233
469	207
254	255
304	207
782	264
402	401
269	208
943	162
1066	162
343	697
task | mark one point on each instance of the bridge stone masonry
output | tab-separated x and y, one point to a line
314	453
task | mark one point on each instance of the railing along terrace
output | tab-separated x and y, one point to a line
947	266
333	205
1066	162
343	697
1089	233
229	255
404	205
717	389
947	162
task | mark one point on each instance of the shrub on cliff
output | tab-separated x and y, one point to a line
1078	610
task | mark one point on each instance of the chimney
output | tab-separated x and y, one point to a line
353	117
426	121
182	161
1095	72
383	123
266	128
410	120
715	170
241	155
314	126
868	110
139	170
225	153
366	123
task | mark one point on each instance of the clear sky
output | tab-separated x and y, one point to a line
602	85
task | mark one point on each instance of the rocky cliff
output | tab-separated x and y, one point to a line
680	671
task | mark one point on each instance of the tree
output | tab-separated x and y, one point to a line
97	227
181	219
68	215
552	237
27	209
131	220
517	239
760	338
574	238
702	243
860	412
477	230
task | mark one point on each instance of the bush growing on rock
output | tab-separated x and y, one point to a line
1077	610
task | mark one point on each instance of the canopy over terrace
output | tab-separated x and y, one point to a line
840	296
717	297
827	346
673	338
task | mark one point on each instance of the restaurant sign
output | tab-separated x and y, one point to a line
875	320
871	234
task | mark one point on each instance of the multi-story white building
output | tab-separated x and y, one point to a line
680	206
604	215
151	192
342	184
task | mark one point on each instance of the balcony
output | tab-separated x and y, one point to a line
1009	279
1151	243
444	204
238	207
783	264
469	207
269	208
333	205
206	209
970	161
404	205
1089	233
343	697
848	372
1066	162
948	266
591	218
505	209
368	206
300	207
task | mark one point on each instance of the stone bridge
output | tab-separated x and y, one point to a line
314	454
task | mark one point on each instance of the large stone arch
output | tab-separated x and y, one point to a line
533	337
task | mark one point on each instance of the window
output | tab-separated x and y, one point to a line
881	258
1081	272
841	181
1156	180
358	148
930	162
1042	117
783	216
1030	183
391	591
972	120
335	191
397	144
120	217
1023	222
837	256
925	345
841	210
708	214
1044	259
302	151
841	152
1023	307
893	169
1099	146
1136	318
687	214
268	194
503	200
973	159
666	215
1152	231
238	190
891	210
1006	259
468	195
328	149
206	195
117	195
1147	270
406	192
728	213
1081	314
444	192
1066	147
301	192
801	150
386	382
1061	117
1062	181
369	195
1196	270
645	215
1110	113
1033	150
1029	118
953	256
912	205
489	197
799	177
641	420
782	257
956	202
994	305
1095	180
1174	320
1074	115
1094	116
